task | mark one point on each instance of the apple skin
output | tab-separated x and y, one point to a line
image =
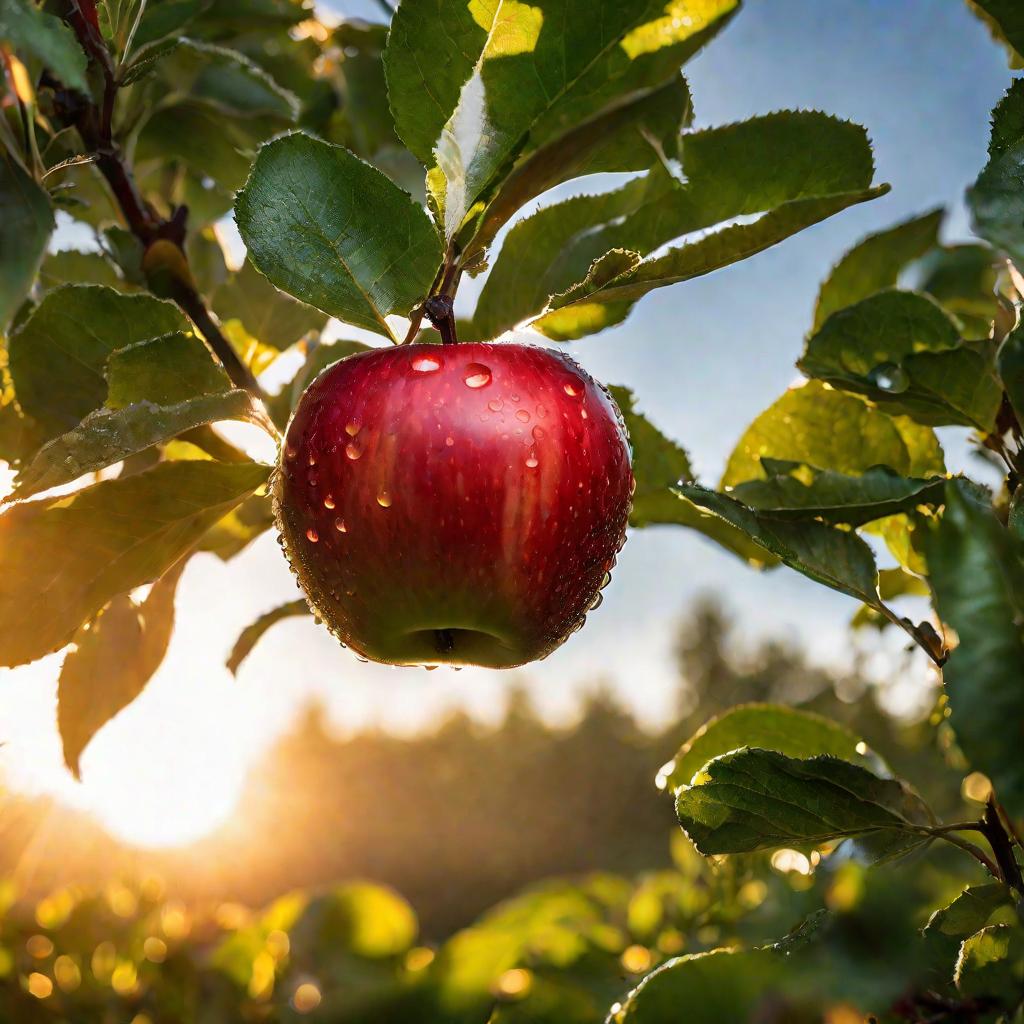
458	504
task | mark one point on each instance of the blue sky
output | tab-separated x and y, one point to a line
703	359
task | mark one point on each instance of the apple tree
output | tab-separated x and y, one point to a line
370	171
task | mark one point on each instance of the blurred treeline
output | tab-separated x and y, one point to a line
459	818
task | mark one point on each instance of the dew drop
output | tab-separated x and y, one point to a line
384	499
477	375
531	460
522	415
339	525
538	433
352	429
329	501
596	603
289	452
572	390
312	460
583	413
353	450
495	404
890	377
541	412
312	536
449	441
426	364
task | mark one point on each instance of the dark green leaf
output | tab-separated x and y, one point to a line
839	559
63	559
775	727
72	267
787	170
165	371
978	579
962	279
113	658
996	200
794	490
968	913
875	263
108	436
166	18
252	633
754	799
1010	360
269	315
1006	20
45	37
816	425
26	222
58	356
336	233
901	350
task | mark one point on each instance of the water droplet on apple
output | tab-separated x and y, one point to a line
541	412
312	536
339	525
538	432
384	499
289	452
449	441
522	415
312	460
573	390
353	450
495	404
314	480
531	461
329	501
596	603
477	375
352	429
426	364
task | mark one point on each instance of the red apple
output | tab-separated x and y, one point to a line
454	504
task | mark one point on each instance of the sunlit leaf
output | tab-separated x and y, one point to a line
968	913
113	658
58	356
1010	360
786	730
902	351
760	172
165	370
753	799
239	528
252	633
977	574
963	280
63	559
821	427
875	263
336	233
26	222
45	37
991	965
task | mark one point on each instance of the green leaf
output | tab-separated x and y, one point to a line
875	263
996	200
1010	360
165	371
633	136
239	528
252	633
113	658
336	233
966	914
828	429
167	18
269	315
63	559
58	356
963	280
72	267
26	223
836	558
794	490
777	173
786	730
753	799
991	965
902	350
473	87
977	577
45	37
1006	20
108	436
227	80
658	463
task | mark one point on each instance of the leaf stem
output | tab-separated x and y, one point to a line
968	847
95	125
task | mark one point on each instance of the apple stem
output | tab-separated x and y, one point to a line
440	310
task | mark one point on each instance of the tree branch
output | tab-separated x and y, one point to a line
95	125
